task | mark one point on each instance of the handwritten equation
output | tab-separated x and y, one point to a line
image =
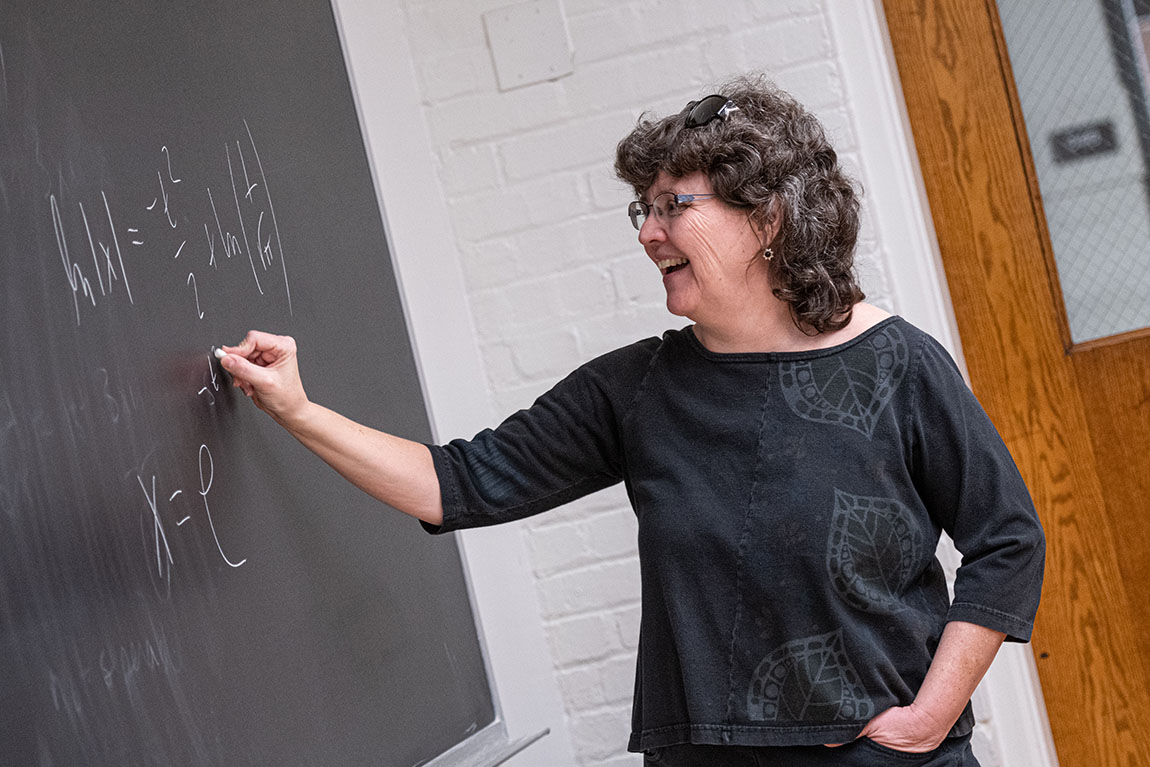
242	226
163	551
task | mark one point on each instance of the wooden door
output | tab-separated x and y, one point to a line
1077	418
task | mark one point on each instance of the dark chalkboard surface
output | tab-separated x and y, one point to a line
180	582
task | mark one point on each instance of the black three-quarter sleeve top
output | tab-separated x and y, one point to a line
789	506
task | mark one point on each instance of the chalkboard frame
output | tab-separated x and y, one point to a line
527	701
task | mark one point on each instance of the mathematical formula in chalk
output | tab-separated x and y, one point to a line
97	249
176	508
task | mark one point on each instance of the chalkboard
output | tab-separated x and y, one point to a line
180	581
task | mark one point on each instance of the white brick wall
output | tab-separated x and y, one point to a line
553	270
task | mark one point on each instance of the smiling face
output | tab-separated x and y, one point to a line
709	253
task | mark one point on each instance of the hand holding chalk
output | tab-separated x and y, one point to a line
264	367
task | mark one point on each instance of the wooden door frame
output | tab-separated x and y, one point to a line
995	249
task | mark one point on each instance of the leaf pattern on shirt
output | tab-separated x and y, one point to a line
808	680
872	551
848	389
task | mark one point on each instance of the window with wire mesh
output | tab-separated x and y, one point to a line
1081	70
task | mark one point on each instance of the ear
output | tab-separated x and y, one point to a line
774	220
767	225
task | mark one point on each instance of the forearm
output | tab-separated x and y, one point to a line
964	654
397	471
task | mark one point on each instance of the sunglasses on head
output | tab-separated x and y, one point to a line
706	110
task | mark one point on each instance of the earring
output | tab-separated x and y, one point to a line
768	254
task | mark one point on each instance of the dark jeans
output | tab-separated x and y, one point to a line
954	752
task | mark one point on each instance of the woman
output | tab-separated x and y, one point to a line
791	456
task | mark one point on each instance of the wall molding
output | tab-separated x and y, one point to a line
430	278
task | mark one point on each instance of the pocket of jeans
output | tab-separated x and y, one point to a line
652	756
903	757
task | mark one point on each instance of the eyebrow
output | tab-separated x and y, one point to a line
666	190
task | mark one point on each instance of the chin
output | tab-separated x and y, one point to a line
676	303
680	308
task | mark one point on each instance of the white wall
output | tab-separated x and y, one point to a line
507	222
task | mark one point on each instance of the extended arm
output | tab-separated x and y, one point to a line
397	471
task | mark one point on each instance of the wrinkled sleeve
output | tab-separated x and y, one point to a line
565	446
971	486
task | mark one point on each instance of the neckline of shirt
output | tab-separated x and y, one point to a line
804	354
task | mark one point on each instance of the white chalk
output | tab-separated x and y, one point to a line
220	354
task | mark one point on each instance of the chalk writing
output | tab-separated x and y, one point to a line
164	197
252	231
158	531
171	498
272	210
81	285
168	157
213	384
244	229
204	488
161	549
3	79
230	242
251	208
73	271
192	282
211	248
116	665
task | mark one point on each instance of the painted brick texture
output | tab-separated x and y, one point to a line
554	271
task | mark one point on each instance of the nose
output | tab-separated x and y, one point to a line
651	231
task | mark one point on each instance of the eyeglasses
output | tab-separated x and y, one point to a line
667	205
706	110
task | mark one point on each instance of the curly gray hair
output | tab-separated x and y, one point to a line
772	157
